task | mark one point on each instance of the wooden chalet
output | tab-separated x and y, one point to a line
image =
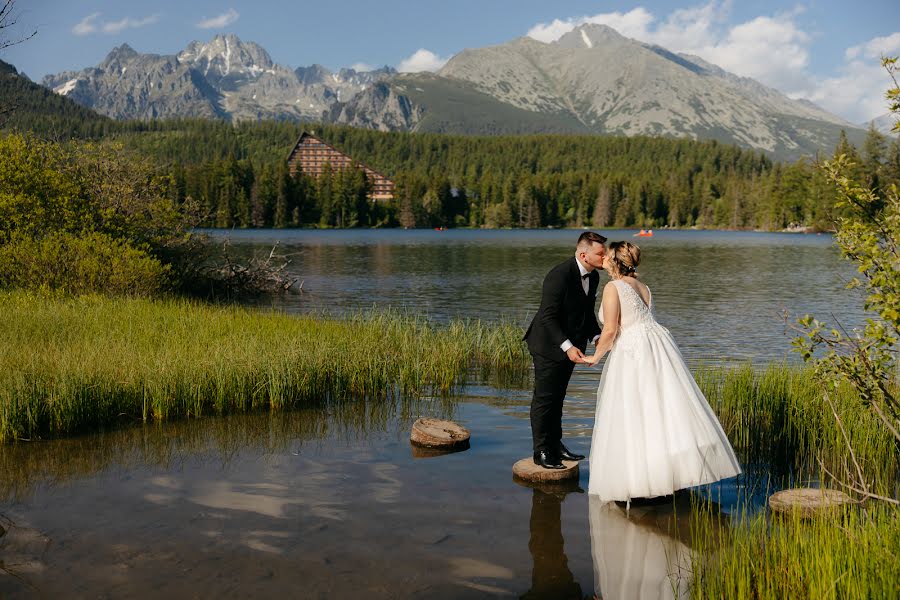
311	153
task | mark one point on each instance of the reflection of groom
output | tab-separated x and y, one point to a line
550	573
557	338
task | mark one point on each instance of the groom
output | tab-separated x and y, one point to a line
557	338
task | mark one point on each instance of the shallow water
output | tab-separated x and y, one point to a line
324	503
721	294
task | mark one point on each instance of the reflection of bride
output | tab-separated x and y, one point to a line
633	557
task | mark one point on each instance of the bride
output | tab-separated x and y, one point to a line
654	432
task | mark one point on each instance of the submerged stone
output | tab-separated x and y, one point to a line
809	502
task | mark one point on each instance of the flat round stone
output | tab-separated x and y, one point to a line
435	433
809	502
526	469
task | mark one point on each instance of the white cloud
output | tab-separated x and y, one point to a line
421	60
362	67
772	49
224	20
87	25
888	45
129	23
90	24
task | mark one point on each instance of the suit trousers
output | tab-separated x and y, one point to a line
551	378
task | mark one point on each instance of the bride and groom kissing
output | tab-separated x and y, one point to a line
654	432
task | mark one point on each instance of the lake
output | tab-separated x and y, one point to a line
333	502
721	294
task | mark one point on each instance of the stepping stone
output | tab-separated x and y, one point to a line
525	469
809	502
438	434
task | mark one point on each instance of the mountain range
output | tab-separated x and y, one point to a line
591	81
223	78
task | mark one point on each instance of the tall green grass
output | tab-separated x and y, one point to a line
777	418
780	424
853	553
68	365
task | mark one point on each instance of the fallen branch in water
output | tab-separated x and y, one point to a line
857	490
255	275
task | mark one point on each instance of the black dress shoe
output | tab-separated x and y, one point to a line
545	459
566	455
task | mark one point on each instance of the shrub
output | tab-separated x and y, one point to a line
79	264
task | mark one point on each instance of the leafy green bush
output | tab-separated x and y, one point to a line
65	263
87	218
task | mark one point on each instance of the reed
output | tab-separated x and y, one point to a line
852	554
777	419
69	365
781	426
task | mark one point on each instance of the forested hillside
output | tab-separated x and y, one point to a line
237	174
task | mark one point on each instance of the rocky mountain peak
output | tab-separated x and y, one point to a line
312	74
118	56
591	35
226	55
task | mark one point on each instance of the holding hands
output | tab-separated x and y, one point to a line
594	358
578	357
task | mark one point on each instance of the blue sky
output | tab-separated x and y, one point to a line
826	51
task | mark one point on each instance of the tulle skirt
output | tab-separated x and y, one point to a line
654	431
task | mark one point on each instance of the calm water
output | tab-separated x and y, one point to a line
332	502
325	504
721	294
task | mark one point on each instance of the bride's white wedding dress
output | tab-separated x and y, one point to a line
654	431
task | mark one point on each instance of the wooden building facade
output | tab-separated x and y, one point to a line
310	154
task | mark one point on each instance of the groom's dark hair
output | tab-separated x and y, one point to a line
589	237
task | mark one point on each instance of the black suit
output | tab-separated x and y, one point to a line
566	313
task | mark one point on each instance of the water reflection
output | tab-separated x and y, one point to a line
331	499
550	574
645	552
633	557
215	439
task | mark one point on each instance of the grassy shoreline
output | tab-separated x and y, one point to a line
71	365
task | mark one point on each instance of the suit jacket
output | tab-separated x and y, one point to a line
565	312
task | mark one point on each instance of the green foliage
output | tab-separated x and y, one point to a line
64	263
893	94
27	106
87	218
868	234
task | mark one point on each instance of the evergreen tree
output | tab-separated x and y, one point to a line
875	148
602	207
282	216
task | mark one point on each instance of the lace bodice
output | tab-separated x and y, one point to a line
631	306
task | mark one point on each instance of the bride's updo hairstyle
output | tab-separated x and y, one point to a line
624	258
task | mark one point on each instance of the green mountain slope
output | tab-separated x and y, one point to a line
27	106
